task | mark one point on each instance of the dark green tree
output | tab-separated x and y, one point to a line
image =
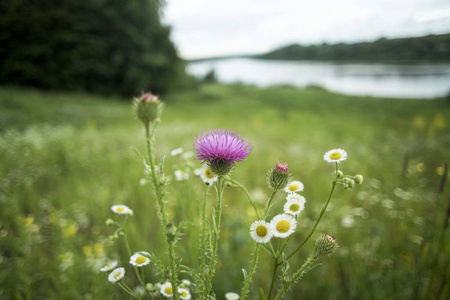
98	46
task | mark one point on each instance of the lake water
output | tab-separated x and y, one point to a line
384	80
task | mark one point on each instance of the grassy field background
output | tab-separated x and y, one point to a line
66	158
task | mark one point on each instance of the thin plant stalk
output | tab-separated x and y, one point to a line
203	239
324	208
215	235
159	190
256	247
239	185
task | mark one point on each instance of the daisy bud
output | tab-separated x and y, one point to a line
148	107
351	183
339	174
113	237
359	179
325	245
109	222
171	231
149	287
279	176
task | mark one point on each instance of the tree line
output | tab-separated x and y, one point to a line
427	48
99	46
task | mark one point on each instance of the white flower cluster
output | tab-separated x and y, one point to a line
282	225
167	291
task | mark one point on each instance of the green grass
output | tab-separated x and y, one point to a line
66	158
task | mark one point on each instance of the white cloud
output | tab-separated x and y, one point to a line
220	27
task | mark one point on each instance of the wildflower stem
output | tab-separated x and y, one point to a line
203	232
308	265
269	204
129	253
266	212
249	277
127	289
324	208
159	190
215	236
239	185
274	275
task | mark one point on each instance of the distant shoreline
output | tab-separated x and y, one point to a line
425	49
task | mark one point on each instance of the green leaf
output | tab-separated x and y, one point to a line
245	273
262	296
268	250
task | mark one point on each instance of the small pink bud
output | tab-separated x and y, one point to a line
282	167
149	97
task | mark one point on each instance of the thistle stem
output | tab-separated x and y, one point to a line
203	231
159	190
215	236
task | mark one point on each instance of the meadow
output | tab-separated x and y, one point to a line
65	159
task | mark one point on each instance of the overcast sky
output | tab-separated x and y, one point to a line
204	28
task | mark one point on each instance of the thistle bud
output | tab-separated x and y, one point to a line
359	179
279	176
326	245
148	107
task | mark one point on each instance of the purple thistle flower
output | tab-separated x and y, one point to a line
221	149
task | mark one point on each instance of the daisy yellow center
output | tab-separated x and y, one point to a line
140	259
335	155
117	275
283	226
261	231
108	265
209	174
293	187
183	294
294	207
168	290
120	209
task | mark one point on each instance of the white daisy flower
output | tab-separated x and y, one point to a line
109	266
207	175
181	175
140	259
116	275
121	209
294	207
335	155
176	151
294	186
295	197
260	232
283	225
197	171
184	293
231	296
166	289
186	282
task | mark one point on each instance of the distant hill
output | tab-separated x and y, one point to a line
433	48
